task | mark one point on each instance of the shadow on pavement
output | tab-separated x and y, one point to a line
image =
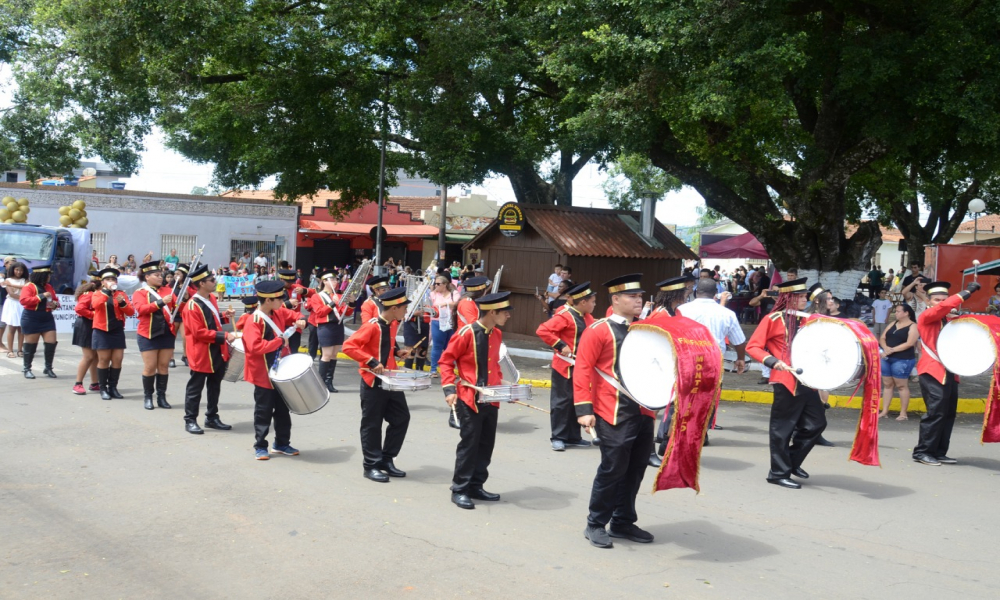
428	474
990	464
327	456
718	439
709	543
718	463
539	498
869	489
517	425
744	429
443	408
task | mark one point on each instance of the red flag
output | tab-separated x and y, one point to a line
865	448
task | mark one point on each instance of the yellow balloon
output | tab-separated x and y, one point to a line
19	217
4	214
83	212
22	201
82	221
8	221
79	205
11	205
74	214
63	210
65	221
26	209
7	199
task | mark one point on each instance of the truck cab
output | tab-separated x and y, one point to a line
36	245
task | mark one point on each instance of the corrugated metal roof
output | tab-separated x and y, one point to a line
577	231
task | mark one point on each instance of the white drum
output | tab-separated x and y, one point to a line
966	347
302	389
506	393
237	359
828	353
649	369
404	380
508	372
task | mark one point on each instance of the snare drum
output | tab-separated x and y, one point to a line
301	388
506	393
508	372
829	354
404	380
237	358
965	346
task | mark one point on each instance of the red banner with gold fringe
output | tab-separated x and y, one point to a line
865	448
991	416
697	388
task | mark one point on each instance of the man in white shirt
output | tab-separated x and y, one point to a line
261	263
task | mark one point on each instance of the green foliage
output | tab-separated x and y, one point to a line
632	177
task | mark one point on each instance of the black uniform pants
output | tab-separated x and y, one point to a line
378	405
313	344
938	421
565	427
267	405
802	414
294	342
475	448
625	450
192	393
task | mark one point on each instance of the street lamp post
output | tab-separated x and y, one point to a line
977	206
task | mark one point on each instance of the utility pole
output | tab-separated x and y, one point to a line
381	178
444	225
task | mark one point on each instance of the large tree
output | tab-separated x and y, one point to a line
770	109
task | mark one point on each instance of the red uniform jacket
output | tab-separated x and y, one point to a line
369	310
150	323
302	294
769	340
599	348
287	315
205	339
463	359
261	344
366	347
83	307
320	312
468	312
564	329
32	300
103	313
242	321
929	325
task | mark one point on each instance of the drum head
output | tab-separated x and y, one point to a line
648	367
965	348
238	345
291	367
829	355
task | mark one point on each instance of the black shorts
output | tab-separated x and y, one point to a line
330	334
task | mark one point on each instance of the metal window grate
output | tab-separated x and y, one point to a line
185	245
274	251
99	243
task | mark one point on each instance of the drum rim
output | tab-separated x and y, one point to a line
967	320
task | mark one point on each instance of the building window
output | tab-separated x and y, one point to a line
99	242
274	251
11	177
185	245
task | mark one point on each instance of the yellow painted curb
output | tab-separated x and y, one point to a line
965	405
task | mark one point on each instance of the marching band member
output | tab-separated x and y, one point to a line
369	309
111	306
473	358
39	299
298	295
563	332
250	304
83	331
373	346
265	338
155	335
796	408
938	386
467	310
624	427
208	351
329	326
415	336
184	294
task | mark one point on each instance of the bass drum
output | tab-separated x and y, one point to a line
301	388
828	353
648	366
237	358
966	346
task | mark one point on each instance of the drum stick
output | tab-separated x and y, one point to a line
454	413
975	271
531	406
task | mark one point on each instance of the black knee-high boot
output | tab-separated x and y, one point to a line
420	363
408	363
324	374
161	391
50	355
29	356
113	375
333	369
102	379
147	391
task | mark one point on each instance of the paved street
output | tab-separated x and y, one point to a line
107	500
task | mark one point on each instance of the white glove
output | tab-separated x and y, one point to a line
288	333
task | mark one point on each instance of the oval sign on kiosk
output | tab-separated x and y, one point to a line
511	219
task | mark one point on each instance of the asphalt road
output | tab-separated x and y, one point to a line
107	500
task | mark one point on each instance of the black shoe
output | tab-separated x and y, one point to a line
161	401
822	441
332	389
48	372
161	391
947	460
785	483
28	374
115	393
706	442
631	532
172	364
718	427
147	402
462	501
481	494
598	536
800	473
927	460
390	468
376	475
579	444
558	445
185	359
104	393
452	422
216	423
655	461
192	427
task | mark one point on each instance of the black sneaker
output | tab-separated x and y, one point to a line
598	536
947	460
927	460
631	532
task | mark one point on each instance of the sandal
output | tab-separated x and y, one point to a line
902	418
20	354
10	354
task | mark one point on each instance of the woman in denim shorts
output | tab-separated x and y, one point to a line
898	346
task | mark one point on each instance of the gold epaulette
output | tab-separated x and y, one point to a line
598	322
775	316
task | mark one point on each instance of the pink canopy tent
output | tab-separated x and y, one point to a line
738	246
